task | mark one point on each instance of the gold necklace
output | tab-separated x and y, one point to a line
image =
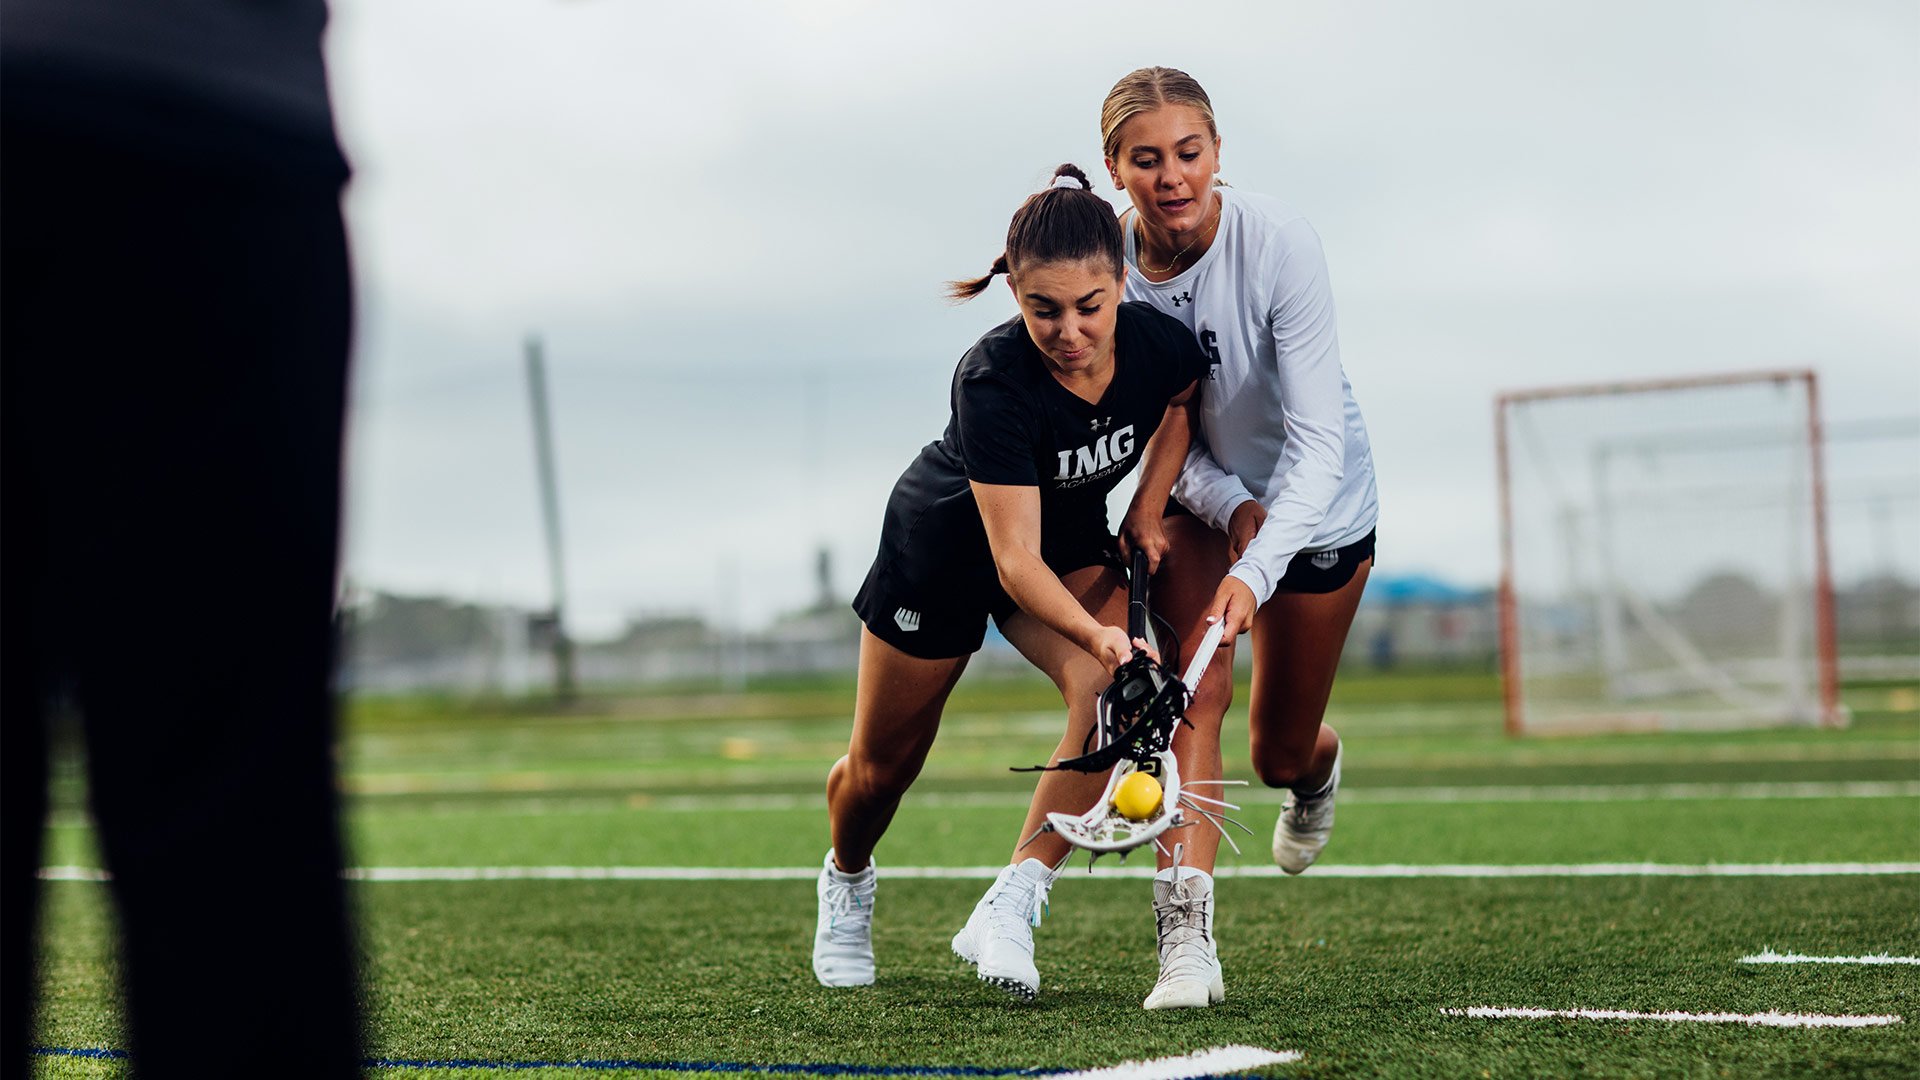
1171	263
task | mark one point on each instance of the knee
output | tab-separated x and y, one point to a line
880	775
1278	764
1080	683
1211	700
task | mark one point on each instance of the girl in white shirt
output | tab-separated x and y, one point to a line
1272	525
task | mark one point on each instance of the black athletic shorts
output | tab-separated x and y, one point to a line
1312	571
1325	571
940	612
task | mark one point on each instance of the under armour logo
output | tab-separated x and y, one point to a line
906	620
1183	298
1326	560
1101	424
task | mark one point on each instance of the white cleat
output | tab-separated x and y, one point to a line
1305	824
998	937
843	935
1189	960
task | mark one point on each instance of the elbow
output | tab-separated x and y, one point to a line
1313	467
1003	571
1336	467
1332	474
1326	454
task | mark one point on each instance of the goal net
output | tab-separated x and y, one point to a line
1664	556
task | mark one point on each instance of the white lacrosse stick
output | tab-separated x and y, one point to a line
1103	830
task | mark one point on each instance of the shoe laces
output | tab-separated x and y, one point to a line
1181	925
1306	814
1019	904
852	913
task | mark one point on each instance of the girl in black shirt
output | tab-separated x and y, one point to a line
1005	516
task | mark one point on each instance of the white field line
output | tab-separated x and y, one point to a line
73	873
1220	1059
1768	956
988	873
541	806
372	784
1840	789
1661	754
529	803
1765	1019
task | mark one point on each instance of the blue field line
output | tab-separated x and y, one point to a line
809	1069
79	1052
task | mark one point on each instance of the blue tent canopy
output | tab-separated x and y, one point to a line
1398	589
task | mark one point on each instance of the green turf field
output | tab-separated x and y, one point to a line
1351	971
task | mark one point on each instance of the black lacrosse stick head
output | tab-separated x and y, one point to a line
1137	714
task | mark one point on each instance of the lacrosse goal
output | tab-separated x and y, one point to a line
1664	555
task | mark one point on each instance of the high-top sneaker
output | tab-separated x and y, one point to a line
843	934
1305	823
998	937
1189	961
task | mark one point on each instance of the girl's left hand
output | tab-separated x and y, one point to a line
1243	527
1113	649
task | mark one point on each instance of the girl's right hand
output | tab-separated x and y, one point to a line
1232	604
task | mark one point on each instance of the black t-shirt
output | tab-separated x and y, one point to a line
1013	423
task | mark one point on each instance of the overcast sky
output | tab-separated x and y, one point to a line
729	222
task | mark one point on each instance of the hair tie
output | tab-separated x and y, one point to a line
1068	180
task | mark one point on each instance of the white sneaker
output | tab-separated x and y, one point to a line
1189	960
843	936
1305	824
998	937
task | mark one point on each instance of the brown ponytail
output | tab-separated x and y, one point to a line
961	291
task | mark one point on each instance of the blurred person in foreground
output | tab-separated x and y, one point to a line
174	349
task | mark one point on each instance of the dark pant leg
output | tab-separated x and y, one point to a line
191	410
25	638
23	797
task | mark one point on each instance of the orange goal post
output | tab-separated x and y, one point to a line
1664	557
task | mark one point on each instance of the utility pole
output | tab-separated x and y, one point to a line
816	468
563	681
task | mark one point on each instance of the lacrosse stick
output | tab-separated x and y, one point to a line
1134	722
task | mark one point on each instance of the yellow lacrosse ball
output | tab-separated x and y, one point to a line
1138	797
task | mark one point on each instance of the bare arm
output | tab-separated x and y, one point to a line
1012	517
1159	468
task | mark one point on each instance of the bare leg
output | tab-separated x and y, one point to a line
1191	570
896	713
1103	592
1297	638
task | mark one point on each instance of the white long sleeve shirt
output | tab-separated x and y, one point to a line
1277	416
